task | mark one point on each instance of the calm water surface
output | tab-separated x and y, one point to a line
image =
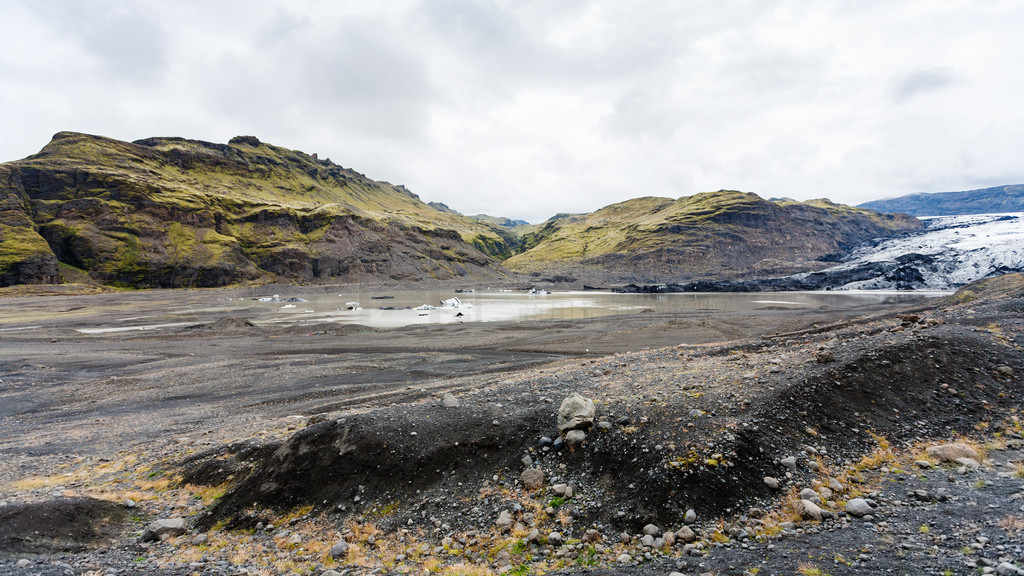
502	306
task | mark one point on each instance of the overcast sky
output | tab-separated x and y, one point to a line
527	108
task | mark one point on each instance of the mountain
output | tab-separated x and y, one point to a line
724	234
998	200
165	212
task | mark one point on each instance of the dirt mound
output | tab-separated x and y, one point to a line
71	524
226	324
1006	287
324	328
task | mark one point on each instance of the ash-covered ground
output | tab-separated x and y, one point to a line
405	451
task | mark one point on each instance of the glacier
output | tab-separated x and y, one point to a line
951	251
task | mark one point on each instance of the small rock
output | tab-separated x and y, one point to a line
559	489
555	539
651	530
604	425
923	464
575	413
690	517
339	550
772	482
534	535
807	510
574	438
592	536
327	573
1004	371
950	452
527	460
836	486
647	540
824	356
859	507
624	559
449	401
532	479
669	538
789	462
23	563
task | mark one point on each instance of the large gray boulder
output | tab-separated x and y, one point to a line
950	452
166	527
575	413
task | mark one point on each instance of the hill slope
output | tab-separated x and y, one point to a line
723	234
176	212
996	200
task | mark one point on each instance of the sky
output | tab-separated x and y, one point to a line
528	108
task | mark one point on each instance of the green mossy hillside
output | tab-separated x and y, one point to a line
713	234
177	212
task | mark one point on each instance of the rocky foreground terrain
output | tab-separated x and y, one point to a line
884	444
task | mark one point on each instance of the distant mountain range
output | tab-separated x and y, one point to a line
1000	199
171	212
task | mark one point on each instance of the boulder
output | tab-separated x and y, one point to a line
504	521
575	413
807	510
339	550
858	507
532	479
168	527
950	452
574	438
686	534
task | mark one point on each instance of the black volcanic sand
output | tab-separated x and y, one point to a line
702	408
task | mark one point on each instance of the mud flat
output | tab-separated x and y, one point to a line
275	444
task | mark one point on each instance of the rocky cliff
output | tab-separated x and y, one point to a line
725	234
169	212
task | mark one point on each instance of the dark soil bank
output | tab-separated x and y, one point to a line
278	448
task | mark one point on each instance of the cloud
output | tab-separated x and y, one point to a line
529	108
908	85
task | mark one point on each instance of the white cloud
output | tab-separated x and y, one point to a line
527	108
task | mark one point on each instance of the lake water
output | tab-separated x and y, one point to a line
505	306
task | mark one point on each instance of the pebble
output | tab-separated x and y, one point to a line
624	559
789	462
23	563
449	401
772	482
690	517
555	538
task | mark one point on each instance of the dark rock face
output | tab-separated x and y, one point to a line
169	212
